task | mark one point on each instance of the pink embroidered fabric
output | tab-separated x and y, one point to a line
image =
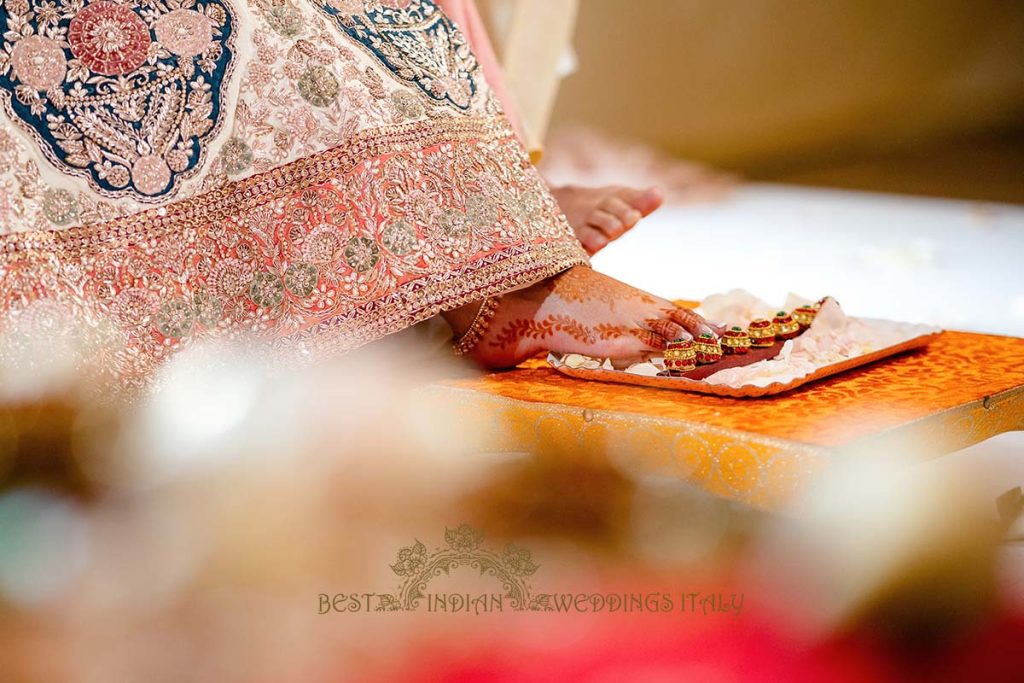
311	176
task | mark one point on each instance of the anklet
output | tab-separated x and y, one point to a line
468	341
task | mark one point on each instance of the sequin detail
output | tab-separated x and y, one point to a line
416	41
330	272
109	38
184	32
235	156
407	105
127	96
175	318
285	19
301	279
361	254
39	62
150	174
60	206
318	86
399	238
267	290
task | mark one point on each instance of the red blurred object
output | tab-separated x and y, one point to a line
669	647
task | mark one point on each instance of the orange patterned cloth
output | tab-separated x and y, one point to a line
962	389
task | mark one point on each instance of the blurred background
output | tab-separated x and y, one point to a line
873	151
921	97
870	150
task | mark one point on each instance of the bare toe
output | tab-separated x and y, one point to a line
607	223
666	329
645	201
592	239
693	323
618	207
611	210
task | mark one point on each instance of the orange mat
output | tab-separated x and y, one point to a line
962	389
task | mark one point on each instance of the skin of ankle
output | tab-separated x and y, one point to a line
459	319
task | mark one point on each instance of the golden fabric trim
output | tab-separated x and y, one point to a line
509	271
316	257
254	191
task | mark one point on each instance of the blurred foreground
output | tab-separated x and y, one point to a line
206	534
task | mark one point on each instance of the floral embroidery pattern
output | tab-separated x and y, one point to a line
316	257
285	19
300	93
347	204
273	122
108	38
28	204
318	86
416	41
126	96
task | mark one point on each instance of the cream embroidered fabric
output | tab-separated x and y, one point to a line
362	180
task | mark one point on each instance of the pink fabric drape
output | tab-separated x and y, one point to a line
465	14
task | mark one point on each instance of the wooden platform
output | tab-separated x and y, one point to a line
964	388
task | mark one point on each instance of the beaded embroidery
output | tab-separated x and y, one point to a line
345	205
415	41
128	96
312	258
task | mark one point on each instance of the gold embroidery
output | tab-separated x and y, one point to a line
127	97
316	257
257	190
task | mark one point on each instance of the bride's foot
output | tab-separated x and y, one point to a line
579	311
599	215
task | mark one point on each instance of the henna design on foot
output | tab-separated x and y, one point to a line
573	328
607	331
521	328
691	322
649	337
652	339
667	329
585	312
578	286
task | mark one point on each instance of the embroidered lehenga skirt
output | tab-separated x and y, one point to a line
315	175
